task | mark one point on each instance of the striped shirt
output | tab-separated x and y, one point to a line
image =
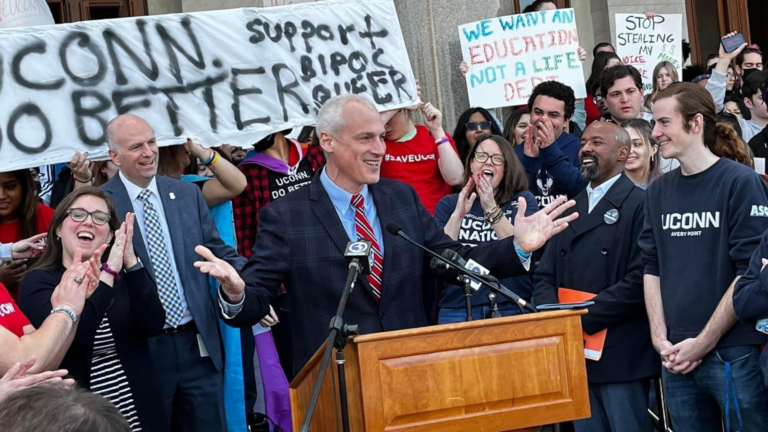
108	377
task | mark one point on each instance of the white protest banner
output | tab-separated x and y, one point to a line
228	76
645	42
275	3
508	56
24	13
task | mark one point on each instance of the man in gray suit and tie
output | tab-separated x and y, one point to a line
176	229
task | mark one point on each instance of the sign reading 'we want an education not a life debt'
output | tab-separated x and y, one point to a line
509	56
228	76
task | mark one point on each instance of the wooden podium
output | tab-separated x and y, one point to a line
513	373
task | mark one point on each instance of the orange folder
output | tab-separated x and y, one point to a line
593	344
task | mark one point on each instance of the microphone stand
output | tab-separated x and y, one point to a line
495	313
468	295
337	338
487	280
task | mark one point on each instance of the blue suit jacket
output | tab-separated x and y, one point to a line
301	242
190	224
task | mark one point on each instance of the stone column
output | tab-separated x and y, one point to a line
160	7
430	30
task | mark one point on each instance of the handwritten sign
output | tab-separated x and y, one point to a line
24	13
227	76
645	42
275	3
509	56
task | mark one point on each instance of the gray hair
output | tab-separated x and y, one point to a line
329	118
45	408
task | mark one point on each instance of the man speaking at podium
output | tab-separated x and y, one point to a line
301	238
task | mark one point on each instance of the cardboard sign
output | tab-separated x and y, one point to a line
509	56
24	13
645	42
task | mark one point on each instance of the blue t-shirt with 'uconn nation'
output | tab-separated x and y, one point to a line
474	231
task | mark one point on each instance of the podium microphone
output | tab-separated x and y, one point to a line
487	280
359	254
444	271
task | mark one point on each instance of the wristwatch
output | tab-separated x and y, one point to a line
67	310
137	266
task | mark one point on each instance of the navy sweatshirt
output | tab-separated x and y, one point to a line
474	231
542	184
700	232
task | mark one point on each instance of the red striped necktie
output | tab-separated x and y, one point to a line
365	232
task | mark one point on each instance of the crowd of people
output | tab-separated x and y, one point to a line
141	293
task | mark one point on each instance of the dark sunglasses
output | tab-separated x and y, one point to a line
80	215
481	157
478	125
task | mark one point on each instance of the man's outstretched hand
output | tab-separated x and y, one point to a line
231	282
531	232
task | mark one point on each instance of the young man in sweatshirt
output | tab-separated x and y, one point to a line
604	241
701	227
622	88
551	105
752	90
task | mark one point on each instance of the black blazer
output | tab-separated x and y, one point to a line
135	315
301	242
594	256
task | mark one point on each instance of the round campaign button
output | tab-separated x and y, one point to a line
611	216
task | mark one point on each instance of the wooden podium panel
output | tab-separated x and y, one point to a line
490	375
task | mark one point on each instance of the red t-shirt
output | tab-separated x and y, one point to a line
9	232
415	162
11	317
593	112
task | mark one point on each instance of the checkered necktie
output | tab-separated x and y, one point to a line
158	254
365	232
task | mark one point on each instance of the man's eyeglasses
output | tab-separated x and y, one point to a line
478	125
598	99
79	215
481	157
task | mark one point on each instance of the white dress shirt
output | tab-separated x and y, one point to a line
229	310
138	208
599	192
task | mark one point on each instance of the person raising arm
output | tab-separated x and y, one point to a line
48	343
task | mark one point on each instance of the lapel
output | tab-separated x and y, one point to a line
612	200
325	211
323	208
174	217
119	193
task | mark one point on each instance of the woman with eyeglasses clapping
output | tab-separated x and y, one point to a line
483	212
110	351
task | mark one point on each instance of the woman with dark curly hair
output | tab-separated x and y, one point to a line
473	123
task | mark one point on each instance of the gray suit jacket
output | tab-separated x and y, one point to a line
190	224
